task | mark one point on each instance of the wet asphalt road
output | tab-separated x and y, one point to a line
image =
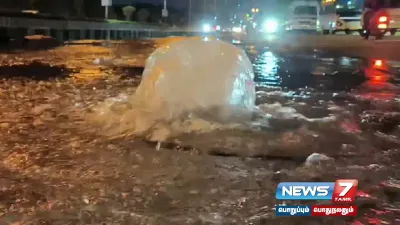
58	170
337	45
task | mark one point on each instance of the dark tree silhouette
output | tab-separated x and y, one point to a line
92	9
143	15
79	8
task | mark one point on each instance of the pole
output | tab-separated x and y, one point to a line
164	9
190	13
204	7
215	8
164	12
106	17
226	10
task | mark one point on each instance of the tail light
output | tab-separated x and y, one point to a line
383	19
378	63
383	22
382	26
217	28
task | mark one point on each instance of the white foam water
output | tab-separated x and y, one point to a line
191	85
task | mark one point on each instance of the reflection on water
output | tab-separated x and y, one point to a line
316	70
382	79
372	79
266	67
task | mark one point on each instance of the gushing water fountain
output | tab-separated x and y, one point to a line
184	81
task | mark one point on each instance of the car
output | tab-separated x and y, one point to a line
380	17
348	21
303	16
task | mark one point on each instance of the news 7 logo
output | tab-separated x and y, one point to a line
339	191
345	191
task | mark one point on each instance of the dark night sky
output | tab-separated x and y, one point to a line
196	4
173	3
182	4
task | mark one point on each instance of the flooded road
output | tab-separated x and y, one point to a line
57	170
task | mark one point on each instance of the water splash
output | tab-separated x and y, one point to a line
190	85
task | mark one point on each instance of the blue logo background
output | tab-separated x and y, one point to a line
293	210
279	195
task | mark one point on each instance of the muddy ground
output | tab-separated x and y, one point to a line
56	170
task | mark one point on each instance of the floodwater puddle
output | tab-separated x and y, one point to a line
318	70
34	70
300	98
313	86
308	110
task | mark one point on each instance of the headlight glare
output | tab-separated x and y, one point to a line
206	27
271	26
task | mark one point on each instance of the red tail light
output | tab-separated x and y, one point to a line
383	19
383	22
378	63
382	26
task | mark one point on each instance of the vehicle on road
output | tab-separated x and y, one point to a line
334	19
348	21
380	17
328	16
303	16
